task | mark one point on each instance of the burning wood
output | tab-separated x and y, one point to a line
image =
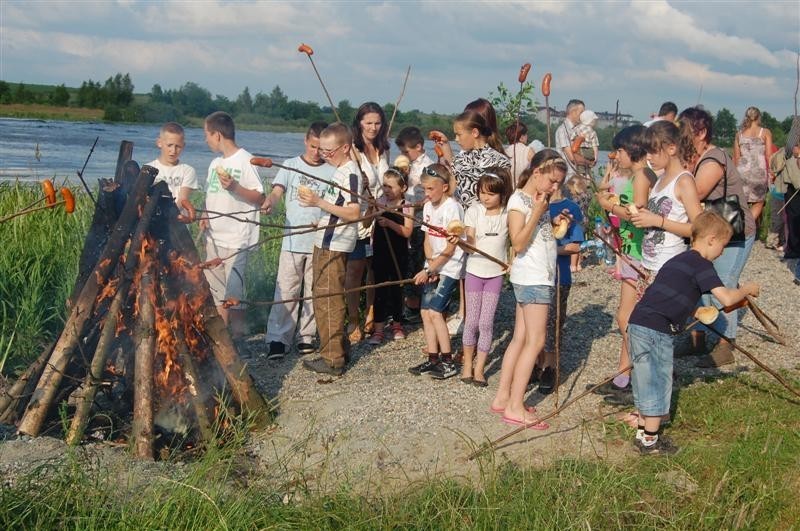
143	344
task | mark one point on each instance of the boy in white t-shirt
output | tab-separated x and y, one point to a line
443	270
181	178
295	272
233	185
339	209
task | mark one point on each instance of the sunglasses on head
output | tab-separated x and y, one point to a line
431	172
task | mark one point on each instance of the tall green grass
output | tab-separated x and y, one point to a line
738	468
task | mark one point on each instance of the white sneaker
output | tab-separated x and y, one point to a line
455	325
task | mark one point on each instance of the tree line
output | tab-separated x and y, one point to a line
190	103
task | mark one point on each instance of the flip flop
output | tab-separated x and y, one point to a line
500	411
516	422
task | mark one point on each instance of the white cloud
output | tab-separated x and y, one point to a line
658	20
683	73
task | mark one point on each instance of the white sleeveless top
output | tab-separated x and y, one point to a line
659	245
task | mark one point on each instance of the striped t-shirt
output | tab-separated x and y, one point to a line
342	237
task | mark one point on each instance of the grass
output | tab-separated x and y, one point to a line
738	469
40	111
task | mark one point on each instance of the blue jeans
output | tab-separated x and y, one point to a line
729	267
651	378
436	295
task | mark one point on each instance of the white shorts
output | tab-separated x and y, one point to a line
227	279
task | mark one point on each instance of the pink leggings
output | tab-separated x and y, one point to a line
482	295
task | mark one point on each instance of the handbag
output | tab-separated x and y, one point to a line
728	206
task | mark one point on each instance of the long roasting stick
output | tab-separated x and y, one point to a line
397	104
268	163
306	49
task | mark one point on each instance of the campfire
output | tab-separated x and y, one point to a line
143	355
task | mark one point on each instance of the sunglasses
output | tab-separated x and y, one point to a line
431	172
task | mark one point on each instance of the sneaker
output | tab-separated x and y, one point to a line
721	355
455	325
397	331
422	368
610	388
663	446
277	350
376	338
321	366
305	348
619	399
444	370
547	382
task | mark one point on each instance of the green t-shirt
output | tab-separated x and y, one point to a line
630	235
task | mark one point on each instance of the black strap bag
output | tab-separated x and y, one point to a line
728	206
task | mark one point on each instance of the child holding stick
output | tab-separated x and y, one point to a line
487	229
533	276
442	272
390	242
662	313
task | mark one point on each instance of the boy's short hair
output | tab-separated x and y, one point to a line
222	123
516	131
441	173
633	140
709	223
315	129
668	107
339	131
409	137
172	127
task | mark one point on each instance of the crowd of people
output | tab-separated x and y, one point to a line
427	227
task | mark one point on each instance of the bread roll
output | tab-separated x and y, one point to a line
613	198
560	229
455	228
302	189
402	162
706	314
632	209
222	172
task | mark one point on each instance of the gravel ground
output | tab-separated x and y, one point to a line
378	424
379	420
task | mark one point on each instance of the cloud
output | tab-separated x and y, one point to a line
658	20
682	72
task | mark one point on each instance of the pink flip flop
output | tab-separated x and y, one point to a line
516	422
500	411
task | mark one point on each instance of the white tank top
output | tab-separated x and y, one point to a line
659	245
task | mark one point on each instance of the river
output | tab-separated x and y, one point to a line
31	150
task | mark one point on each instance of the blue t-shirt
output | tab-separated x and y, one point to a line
574	235
673	296
290	181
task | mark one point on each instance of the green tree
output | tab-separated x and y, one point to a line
193	99
776	127
23	94
346	111
5	92
157	94
59	96
507	104
244	103
724	128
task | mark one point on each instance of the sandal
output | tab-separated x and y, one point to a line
355	335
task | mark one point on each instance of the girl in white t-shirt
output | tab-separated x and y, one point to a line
533	274
672	204
487	229
444	268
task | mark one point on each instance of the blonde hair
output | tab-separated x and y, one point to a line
339	131
710	223
751	115
441	173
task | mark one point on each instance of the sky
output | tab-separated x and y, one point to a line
724	54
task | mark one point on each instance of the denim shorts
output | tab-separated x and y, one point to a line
362	250
651	378
436	295
533	294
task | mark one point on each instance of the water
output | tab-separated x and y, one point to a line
63	147
31	150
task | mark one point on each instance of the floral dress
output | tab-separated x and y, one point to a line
752	167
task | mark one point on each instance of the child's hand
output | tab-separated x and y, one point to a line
541	202
307	197
563	215
384	222
644	219
454	239
266	206
751	288
225	178
438	137
421	278
204	224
